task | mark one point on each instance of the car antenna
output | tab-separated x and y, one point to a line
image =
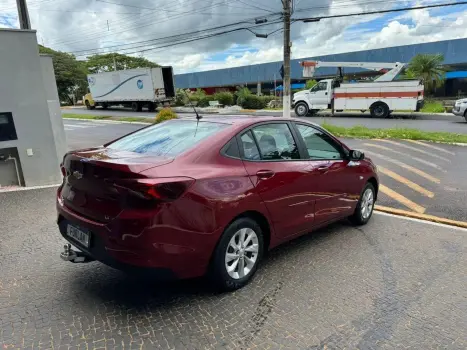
198	117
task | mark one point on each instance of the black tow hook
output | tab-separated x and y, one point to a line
74	256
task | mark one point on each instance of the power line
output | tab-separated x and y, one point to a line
124	29
318	18
248	21
195	39
148	17
95	35
254	6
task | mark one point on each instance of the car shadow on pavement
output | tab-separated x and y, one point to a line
102	284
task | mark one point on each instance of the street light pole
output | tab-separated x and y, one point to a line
23	15
286	83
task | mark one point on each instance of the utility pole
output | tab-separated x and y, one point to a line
286	83
23	14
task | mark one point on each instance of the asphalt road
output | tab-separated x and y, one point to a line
418	177
459	125
392	284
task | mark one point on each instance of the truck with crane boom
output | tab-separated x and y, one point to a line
380	96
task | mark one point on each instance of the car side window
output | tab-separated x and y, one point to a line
321	86
248	144
231	149
319	144
276	142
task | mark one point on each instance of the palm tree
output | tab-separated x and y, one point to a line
429	68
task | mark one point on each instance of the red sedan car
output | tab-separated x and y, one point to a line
186	198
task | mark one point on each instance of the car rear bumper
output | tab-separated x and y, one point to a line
142	253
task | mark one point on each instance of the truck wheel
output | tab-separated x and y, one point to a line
312	112
88	105
379	110
151	106
136	107
301	109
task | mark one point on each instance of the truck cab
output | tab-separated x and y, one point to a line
318	97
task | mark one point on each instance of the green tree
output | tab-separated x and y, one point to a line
310	83
70	74
105	62
429	68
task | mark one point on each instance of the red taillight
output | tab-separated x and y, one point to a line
162	189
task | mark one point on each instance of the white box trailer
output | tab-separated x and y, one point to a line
133	87
381	96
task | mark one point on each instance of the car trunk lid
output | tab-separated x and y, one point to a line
90	178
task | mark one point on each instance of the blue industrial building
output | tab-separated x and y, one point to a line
454	51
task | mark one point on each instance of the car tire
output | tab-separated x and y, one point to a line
465	115
366	203
105	106
301	109
88	105
379	110
151	107
136	107
229	253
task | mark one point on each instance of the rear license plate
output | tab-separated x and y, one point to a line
78	235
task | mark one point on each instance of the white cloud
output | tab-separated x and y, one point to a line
85	27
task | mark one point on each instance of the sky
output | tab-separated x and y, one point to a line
147	28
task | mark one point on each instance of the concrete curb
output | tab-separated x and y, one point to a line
19	189
425	217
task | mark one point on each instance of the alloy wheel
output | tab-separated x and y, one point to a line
242	253
367	203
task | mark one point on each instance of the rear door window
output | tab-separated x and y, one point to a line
248	144
167	139
276	142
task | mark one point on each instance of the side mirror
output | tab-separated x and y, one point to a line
356	155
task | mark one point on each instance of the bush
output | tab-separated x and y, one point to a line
181	98
253	102
204	101
225	98
165	114
432	106
239	96
197	96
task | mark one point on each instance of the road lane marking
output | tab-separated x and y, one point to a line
401	199
405	166
424	218
406	182
79	126
431	146
412	149
431	164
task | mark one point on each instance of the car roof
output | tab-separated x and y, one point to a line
245	120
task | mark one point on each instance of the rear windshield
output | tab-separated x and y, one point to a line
167	139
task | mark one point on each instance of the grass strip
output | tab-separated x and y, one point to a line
363	132
106	117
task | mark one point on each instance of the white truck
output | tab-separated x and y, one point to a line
381	96
138	88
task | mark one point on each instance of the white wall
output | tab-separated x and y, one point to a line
24	77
